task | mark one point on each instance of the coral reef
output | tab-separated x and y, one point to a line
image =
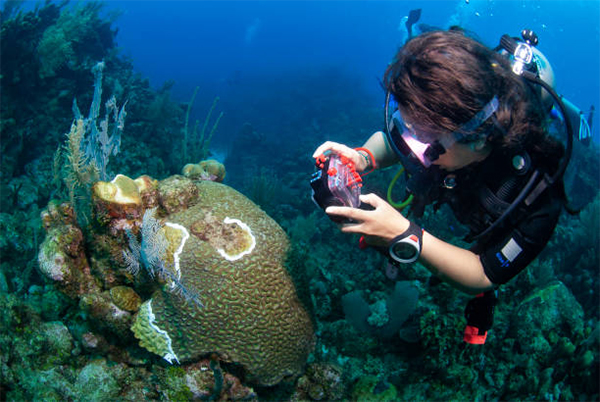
206	380
321	382
230	254
70	290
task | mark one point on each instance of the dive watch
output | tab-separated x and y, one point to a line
406	247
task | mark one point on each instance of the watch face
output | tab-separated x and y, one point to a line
405	251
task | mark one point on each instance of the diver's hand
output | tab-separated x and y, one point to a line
360	163
383	223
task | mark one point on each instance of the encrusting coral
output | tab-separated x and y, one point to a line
125	298
176	193
62	254
209	169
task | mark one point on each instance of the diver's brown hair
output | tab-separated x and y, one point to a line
441	79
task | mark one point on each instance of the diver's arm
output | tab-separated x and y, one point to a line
457	266
382	152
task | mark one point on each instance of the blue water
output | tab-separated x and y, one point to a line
221	45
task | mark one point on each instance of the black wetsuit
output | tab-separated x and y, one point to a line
482	193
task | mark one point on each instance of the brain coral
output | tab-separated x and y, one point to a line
233	256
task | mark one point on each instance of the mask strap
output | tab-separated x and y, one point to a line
479	118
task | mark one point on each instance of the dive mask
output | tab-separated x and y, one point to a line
426	147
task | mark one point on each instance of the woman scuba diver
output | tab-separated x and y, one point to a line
471	132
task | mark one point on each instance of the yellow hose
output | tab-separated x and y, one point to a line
398	205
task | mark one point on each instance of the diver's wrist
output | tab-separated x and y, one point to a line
367	158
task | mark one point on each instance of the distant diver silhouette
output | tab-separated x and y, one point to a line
413	17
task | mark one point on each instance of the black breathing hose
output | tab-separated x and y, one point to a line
565	162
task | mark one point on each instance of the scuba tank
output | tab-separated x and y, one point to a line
526	57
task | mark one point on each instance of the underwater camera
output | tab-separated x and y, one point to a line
336	183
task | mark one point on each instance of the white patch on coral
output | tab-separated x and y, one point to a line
170	356
246	229
186	235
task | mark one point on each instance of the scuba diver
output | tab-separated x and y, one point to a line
469	124
413	18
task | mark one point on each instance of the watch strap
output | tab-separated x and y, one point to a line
413	229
